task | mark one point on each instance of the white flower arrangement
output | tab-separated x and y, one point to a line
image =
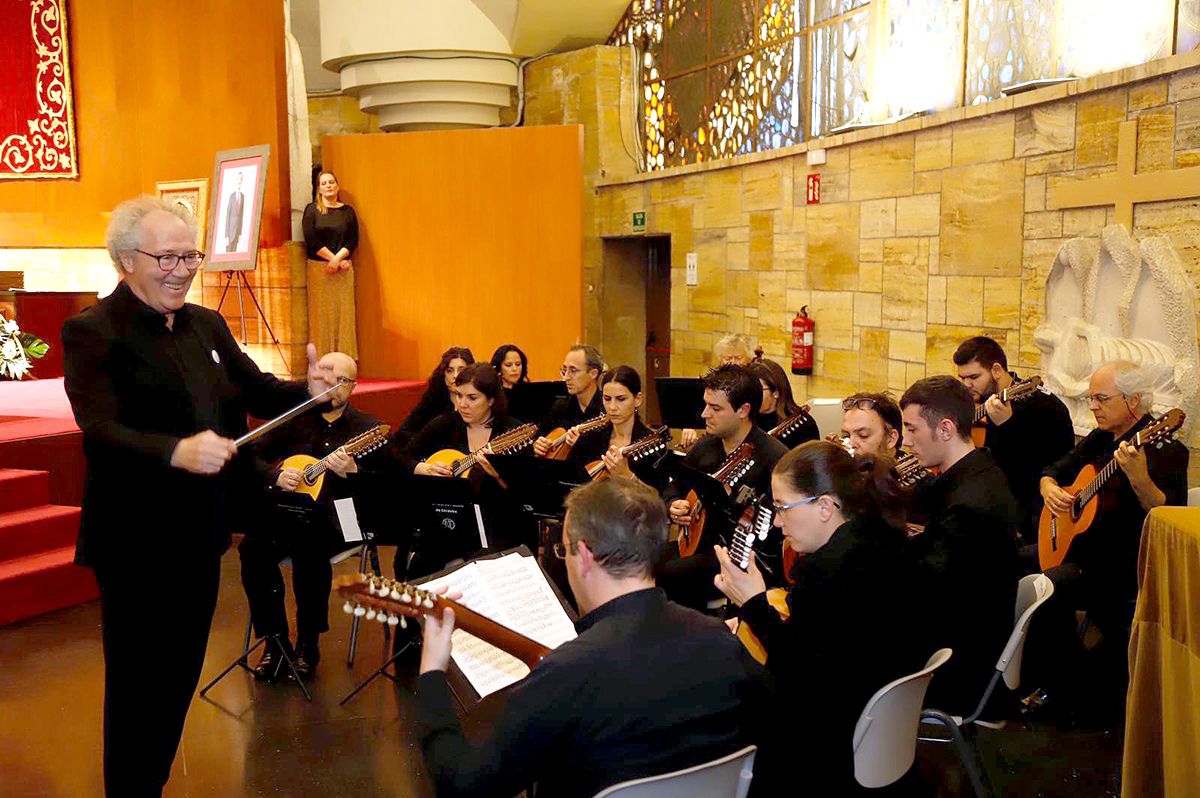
17	349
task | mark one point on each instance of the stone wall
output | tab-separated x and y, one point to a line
928	231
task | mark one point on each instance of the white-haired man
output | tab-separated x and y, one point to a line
160	390
1099	574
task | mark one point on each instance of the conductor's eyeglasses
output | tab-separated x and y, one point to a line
169	260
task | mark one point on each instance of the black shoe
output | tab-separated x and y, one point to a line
271	668
308	654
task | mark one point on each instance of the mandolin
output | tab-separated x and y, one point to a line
736	466
1055	532
509	443
313	478
559	448
751	529
388	601
789	424
1013	393
648	446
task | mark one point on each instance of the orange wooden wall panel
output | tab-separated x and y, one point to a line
470	238
159	88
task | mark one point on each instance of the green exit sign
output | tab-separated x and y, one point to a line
639	221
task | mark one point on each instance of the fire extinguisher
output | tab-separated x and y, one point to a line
802	342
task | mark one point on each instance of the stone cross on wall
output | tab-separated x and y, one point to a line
1125	187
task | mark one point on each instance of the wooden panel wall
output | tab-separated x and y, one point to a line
470	238
159	88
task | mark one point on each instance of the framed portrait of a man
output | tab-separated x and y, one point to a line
192	195
239	184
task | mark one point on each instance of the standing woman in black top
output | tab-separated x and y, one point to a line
330	238
438	396
850	630
778	405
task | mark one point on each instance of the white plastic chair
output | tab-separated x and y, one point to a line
1032	592
727	777
1194	497
885	737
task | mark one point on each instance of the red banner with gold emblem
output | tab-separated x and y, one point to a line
37	121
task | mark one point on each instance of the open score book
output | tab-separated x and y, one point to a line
513	591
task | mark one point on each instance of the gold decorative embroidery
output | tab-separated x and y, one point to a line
48	149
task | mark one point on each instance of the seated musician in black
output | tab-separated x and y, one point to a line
732	396
966	558
648	687
480	415
438	396
308	538
850	630
1099	574
621	392
580	371
778	405
1024	436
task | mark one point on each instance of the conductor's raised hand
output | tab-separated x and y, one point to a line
738	586
436	645
320	378
203	453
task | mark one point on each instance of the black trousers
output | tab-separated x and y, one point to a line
153	652
312	577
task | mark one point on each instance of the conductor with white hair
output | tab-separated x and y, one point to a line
160	390
1099	573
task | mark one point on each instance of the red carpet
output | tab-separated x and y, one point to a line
41	487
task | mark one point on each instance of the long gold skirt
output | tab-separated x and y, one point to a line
331	318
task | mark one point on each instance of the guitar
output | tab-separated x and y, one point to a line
752	528
736	465
789	424
559	450
648	446
313	478
388	601
510	442
1056	532
1013	393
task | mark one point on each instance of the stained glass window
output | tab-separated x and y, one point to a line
1187	36
839	80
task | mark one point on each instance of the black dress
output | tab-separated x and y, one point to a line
850	632
433	403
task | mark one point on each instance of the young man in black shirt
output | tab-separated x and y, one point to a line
732	396
1024	436
580	371
646	688
302	529
966	558
1099	574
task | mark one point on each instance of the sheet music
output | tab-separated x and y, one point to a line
511	590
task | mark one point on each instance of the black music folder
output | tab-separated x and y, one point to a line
680	401
540	485
531	401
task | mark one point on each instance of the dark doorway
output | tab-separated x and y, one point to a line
635	309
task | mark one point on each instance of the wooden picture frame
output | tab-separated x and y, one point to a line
235	207
193	195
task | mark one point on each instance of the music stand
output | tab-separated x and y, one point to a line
680	401
539	484
531	401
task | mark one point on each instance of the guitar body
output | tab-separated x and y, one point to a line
1055	532
448	457
979	434
777	598
560	449
689	533
301	462
597	471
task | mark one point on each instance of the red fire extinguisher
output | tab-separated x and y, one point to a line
802	342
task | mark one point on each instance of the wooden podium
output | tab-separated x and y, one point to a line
42	313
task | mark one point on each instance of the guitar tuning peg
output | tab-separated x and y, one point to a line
395	595
359	611
348	608
427	603
393	620
406	597
382	617
403	622
370	613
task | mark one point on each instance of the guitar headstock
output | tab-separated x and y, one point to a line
593	424
384	600
369	441
1161	429
514	440
653	443
1022	389
844	442
789	425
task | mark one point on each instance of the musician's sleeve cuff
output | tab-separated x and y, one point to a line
169	445
435	704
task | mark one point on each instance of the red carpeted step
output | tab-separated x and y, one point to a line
43	582
37	529
20	488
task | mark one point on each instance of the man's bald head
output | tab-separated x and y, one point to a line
343	367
